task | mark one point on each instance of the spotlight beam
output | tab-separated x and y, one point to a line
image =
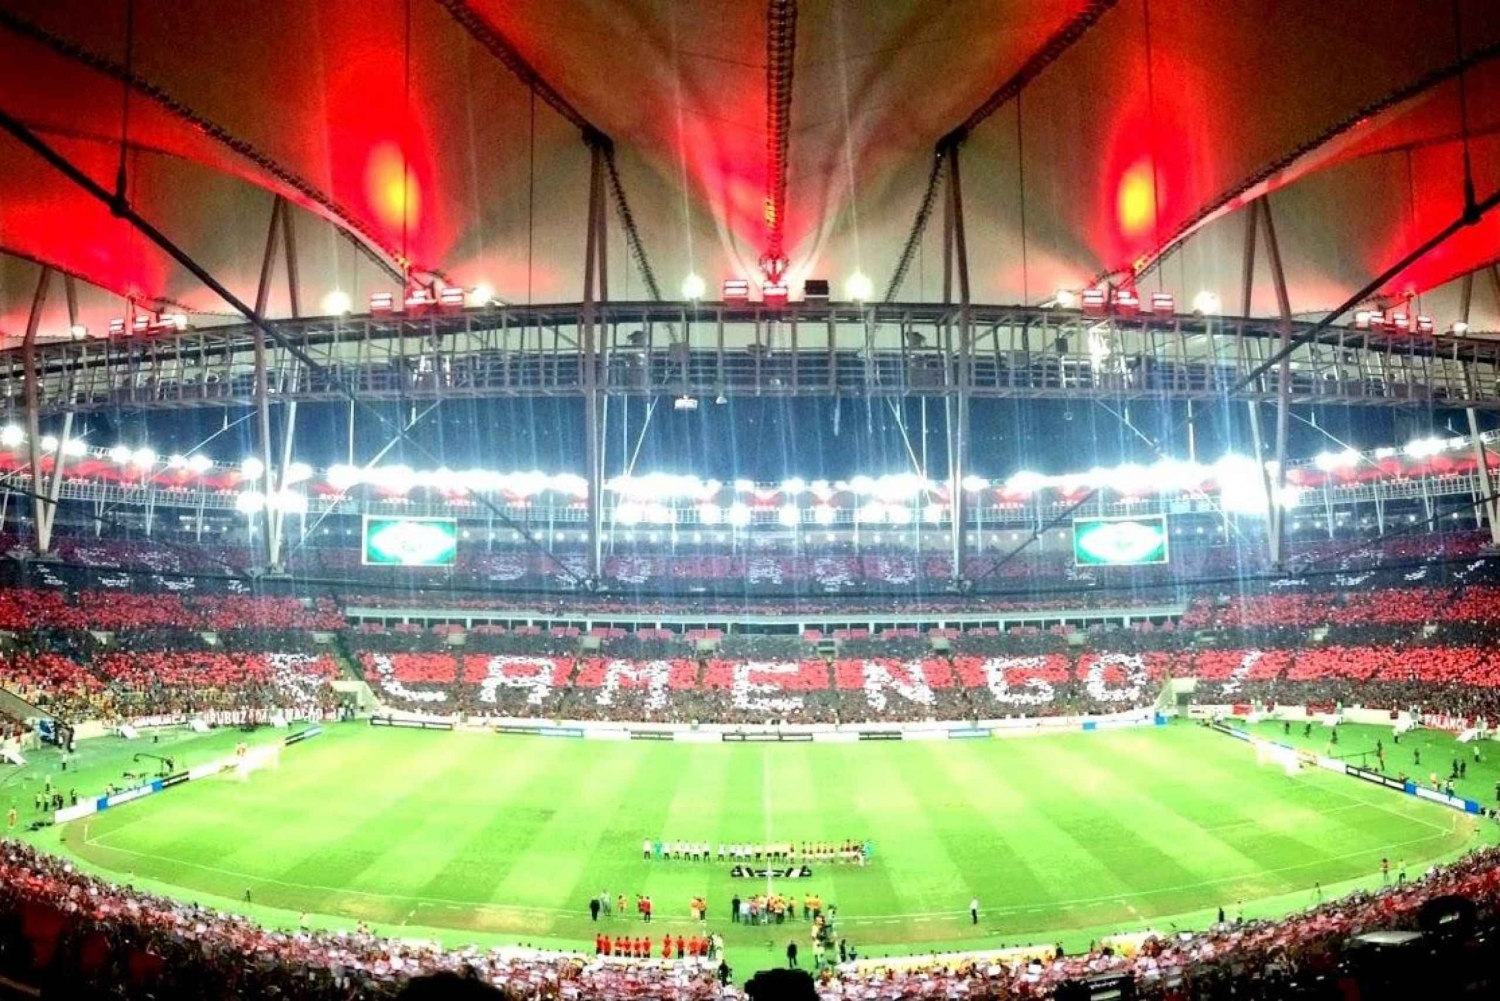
121	208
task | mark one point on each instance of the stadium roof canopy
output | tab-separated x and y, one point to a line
451	135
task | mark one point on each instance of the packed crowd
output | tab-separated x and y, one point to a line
1454	680
117	610
122	684
1267	959
69	932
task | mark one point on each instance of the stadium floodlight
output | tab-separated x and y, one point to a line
249	502
710	514
289	502
144	458
344	477
859	288
482	294
253	468
49	443
78	331
1025	482
176	461
793	486
932	514
1163	303
1422	448
200	463
789	516
743	486
298	472
739	515
120	455
1065	298
1207	303
75	447
823	514
871	513
736	290
11	435
1330	461
1460	328
899	514
973	484
685	402
337	303
629	513
693	287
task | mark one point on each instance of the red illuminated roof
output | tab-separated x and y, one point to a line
413	140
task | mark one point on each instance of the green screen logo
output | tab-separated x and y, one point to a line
1120	541
411	542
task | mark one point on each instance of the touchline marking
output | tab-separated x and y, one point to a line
858	919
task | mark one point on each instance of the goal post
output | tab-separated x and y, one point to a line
250	760
1267	753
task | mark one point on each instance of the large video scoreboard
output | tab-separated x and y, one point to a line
1120	542
410	542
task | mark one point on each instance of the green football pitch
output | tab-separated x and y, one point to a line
476	837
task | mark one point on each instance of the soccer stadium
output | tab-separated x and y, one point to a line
857	500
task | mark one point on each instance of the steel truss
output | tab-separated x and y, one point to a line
801	350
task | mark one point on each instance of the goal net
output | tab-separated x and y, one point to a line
1267	753
249	760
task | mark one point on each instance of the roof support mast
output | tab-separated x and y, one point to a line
40	508
956	255
274	477
1258	213
595	291
1481	457
1283	383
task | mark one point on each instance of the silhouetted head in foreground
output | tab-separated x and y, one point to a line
449	987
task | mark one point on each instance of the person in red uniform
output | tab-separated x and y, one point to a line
680	953
666	947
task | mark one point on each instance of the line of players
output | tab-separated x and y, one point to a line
641	947
784	851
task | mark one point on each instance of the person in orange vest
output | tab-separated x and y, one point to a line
681	953
666	946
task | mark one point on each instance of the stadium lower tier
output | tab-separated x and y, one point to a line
125	684
521	834
1458	681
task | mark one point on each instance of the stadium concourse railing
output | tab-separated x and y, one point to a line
817	733
586	620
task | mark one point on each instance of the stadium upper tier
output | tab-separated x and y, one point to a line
804	349
1332	491
695	579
